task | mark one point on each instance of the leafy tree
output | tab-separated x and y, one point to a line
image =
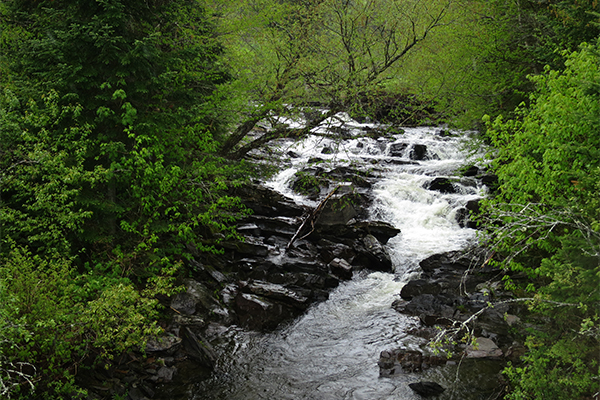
328	52
109	177
546	220
130	104
478	62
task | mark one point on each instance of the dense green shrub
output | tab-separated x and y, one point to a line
547	222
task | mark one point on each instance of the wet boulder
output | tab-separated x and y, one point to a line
463	215
372	255
483	348
337	211
166	344
356	230
383	231
277	292
329	250
196	297
249	246
431	309
418	152
471	171
341	268
417	287
278	226
442	185
198	348
427	389
397	149
401	361
258	313
266	201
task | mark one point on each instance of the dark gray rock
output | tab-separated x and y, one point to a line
341	268
418	152
258	313
198	348
427	389
267	202
471	171
250	246
431	309
397	149
464	214
442	185
417	287
337	211
276	292
383	231
167	344
164	374
184	303
400	361
372	255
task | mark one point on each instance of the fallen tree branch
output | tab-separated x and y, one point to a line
311	218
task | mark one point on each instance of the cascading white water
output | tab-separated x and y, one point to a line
331	352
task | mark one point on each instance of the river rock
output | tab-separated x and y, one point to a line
472	170
427	389
484	348
443	185
354	230
382	231
418	152
397	149
196	296
164	374
167	344
329	250
431	309
258	313
341	268
276	292
373	255
337	211
400	361
249	246
463	215
267	202
198	348
417	287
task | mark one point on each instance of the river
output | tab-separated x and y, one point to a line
331	351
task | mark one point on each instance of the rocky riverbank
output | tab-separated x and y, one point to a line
464	314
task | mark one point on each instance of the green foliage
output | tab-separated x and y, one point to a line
479	61
109	112
108	129
548	224
54	319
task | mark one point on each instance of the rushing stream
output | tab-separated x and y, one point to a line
331	351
